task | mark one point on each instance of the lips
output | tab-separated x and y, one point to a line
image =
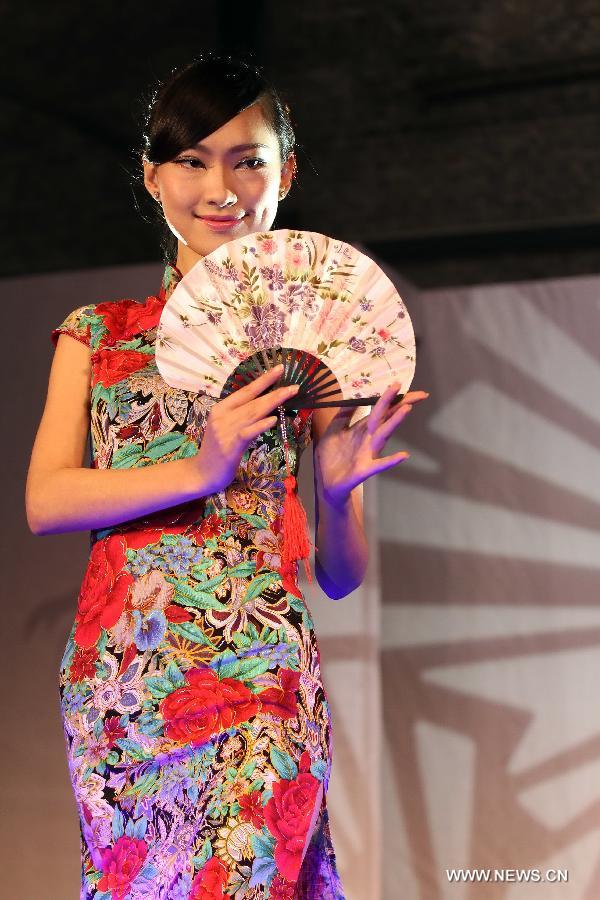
219	219
221	224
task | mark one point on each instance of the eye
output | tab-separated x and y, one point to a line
190	159
254	159
250	162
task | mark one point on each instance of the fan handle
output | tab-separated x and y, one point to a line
317	381
308	403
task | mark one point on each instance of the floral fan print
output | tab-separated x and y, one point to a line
314	303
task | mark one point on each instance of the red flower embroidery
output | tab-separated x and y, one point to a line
114	318
210	881
126	318
205	706
82	665
176	613
129	431
110	368
121	864
287	815
113	730
211	526
305	761
281	701
281	889
143	316
251	808
103	590
176	520
129	654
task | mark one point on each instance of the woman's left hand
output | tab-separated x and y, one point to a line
346	456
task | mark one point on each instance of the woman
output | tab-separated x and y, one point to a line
196	721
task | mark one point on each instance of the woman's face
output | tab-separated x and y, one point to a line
221	178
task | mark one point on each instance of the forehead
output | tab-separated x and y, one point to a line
246	128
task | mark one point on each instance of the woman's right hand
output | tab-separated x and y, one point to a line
234	422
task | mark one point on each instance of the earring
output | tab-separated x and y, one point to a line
157	196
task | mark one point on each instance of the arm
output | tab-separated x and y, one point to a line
345	456
61	495
342	553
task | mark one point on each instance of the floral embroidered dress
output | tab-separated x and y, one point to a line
197	726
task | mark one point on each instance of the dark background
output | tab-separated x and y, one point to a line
458	140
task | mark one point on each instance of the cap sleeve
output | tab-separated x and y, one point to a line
77	324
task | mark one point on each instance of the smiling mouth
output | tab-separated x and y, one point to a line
222	219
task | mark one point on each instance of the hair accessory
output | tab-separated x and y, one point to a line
314	303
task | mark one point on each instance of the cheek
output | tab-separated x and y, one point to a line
264	185
183	193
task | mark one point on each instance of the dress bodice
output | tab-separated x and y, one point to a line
137	419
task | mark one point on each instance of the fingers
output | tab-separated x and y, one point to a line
388	415
252	431
263	405
385	429
414	396
251	401
386	462
377	414
391	394
254	388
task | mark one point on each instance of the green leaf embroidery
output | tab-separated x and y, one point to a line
189	597
283	762
165	444
228	665
191	632
261	583
243	569
257	521
263	845
136	751
174	674
126	457
211	583
205	854
159	687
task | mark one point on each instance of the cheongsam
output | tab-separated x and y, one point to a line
196	721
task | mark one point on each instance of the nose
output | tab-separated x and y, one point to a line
217	187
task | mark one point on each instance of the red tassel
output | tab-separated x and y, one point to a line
296	544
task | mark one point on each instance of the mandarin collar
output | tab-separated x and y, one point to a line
171	278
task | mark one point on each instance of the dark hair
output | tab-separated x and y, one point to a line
196	100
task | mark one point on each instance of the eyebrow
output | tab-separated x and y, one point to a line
235	149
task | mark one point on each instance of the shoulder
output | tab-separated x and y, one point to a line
105	323
78	324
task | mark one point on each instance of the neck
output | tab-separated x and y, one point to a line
186	258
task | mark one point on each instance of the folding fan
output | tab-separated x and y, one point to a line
314	303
